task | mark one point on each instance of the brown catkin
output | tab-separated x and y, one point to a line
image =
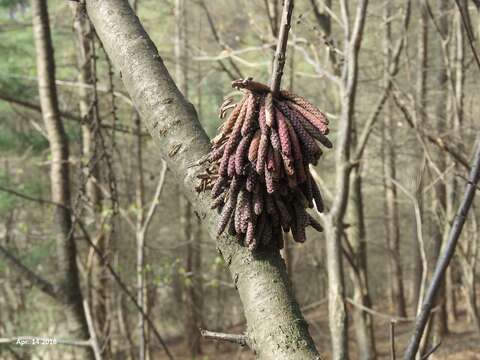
258	202
320	123
262	122
277	234
269	111
232	142
220	184
235	187
242	153
217	153
251	181
228	125
262	154
253	148
250	236
314	223
309	144
225	217
297	155
313	131
231	166
219	201
267	233
300	221
260	226
317	196
304	103
231	225
285	144
275	140
270	181
250	115
307	189
238	214
258	166
285	217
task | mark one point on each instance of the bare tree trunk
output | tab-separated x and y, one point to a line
70	293
140	237
192	284
441	228
276	328
333	220
421	105
97	284
363	322
392	223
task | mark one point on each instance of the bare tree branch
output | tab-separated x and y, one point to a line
233	338
34	279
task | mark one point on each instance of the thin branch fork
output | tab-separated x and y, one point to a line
445	259
239	339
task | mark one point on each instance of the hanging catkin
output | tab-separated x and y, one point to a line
258	169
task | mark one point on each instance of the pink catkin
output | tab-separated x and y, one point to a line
253	149
269	111
320	123
241	154
250	115
229	124
262	154
233	140
304	103
231	166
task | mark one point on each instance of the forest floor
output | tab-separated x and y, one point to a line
462	343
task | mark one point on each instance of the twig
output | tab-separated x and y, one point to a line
469	32
279	60
444	261
91	330
31	276
431	351
30	198
65	114
379	314
392	340
233	338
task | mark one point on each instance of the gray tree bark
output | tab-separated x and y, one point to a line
276	328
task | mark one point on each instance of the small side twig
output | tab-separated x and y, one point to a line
431	351
239	339
280	58
392	340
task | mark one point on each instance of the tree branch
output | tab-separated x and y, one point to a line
279	61
233	338
64	114
32	277
445	259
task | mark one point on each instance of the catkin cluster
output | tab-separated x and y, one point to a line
259	166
